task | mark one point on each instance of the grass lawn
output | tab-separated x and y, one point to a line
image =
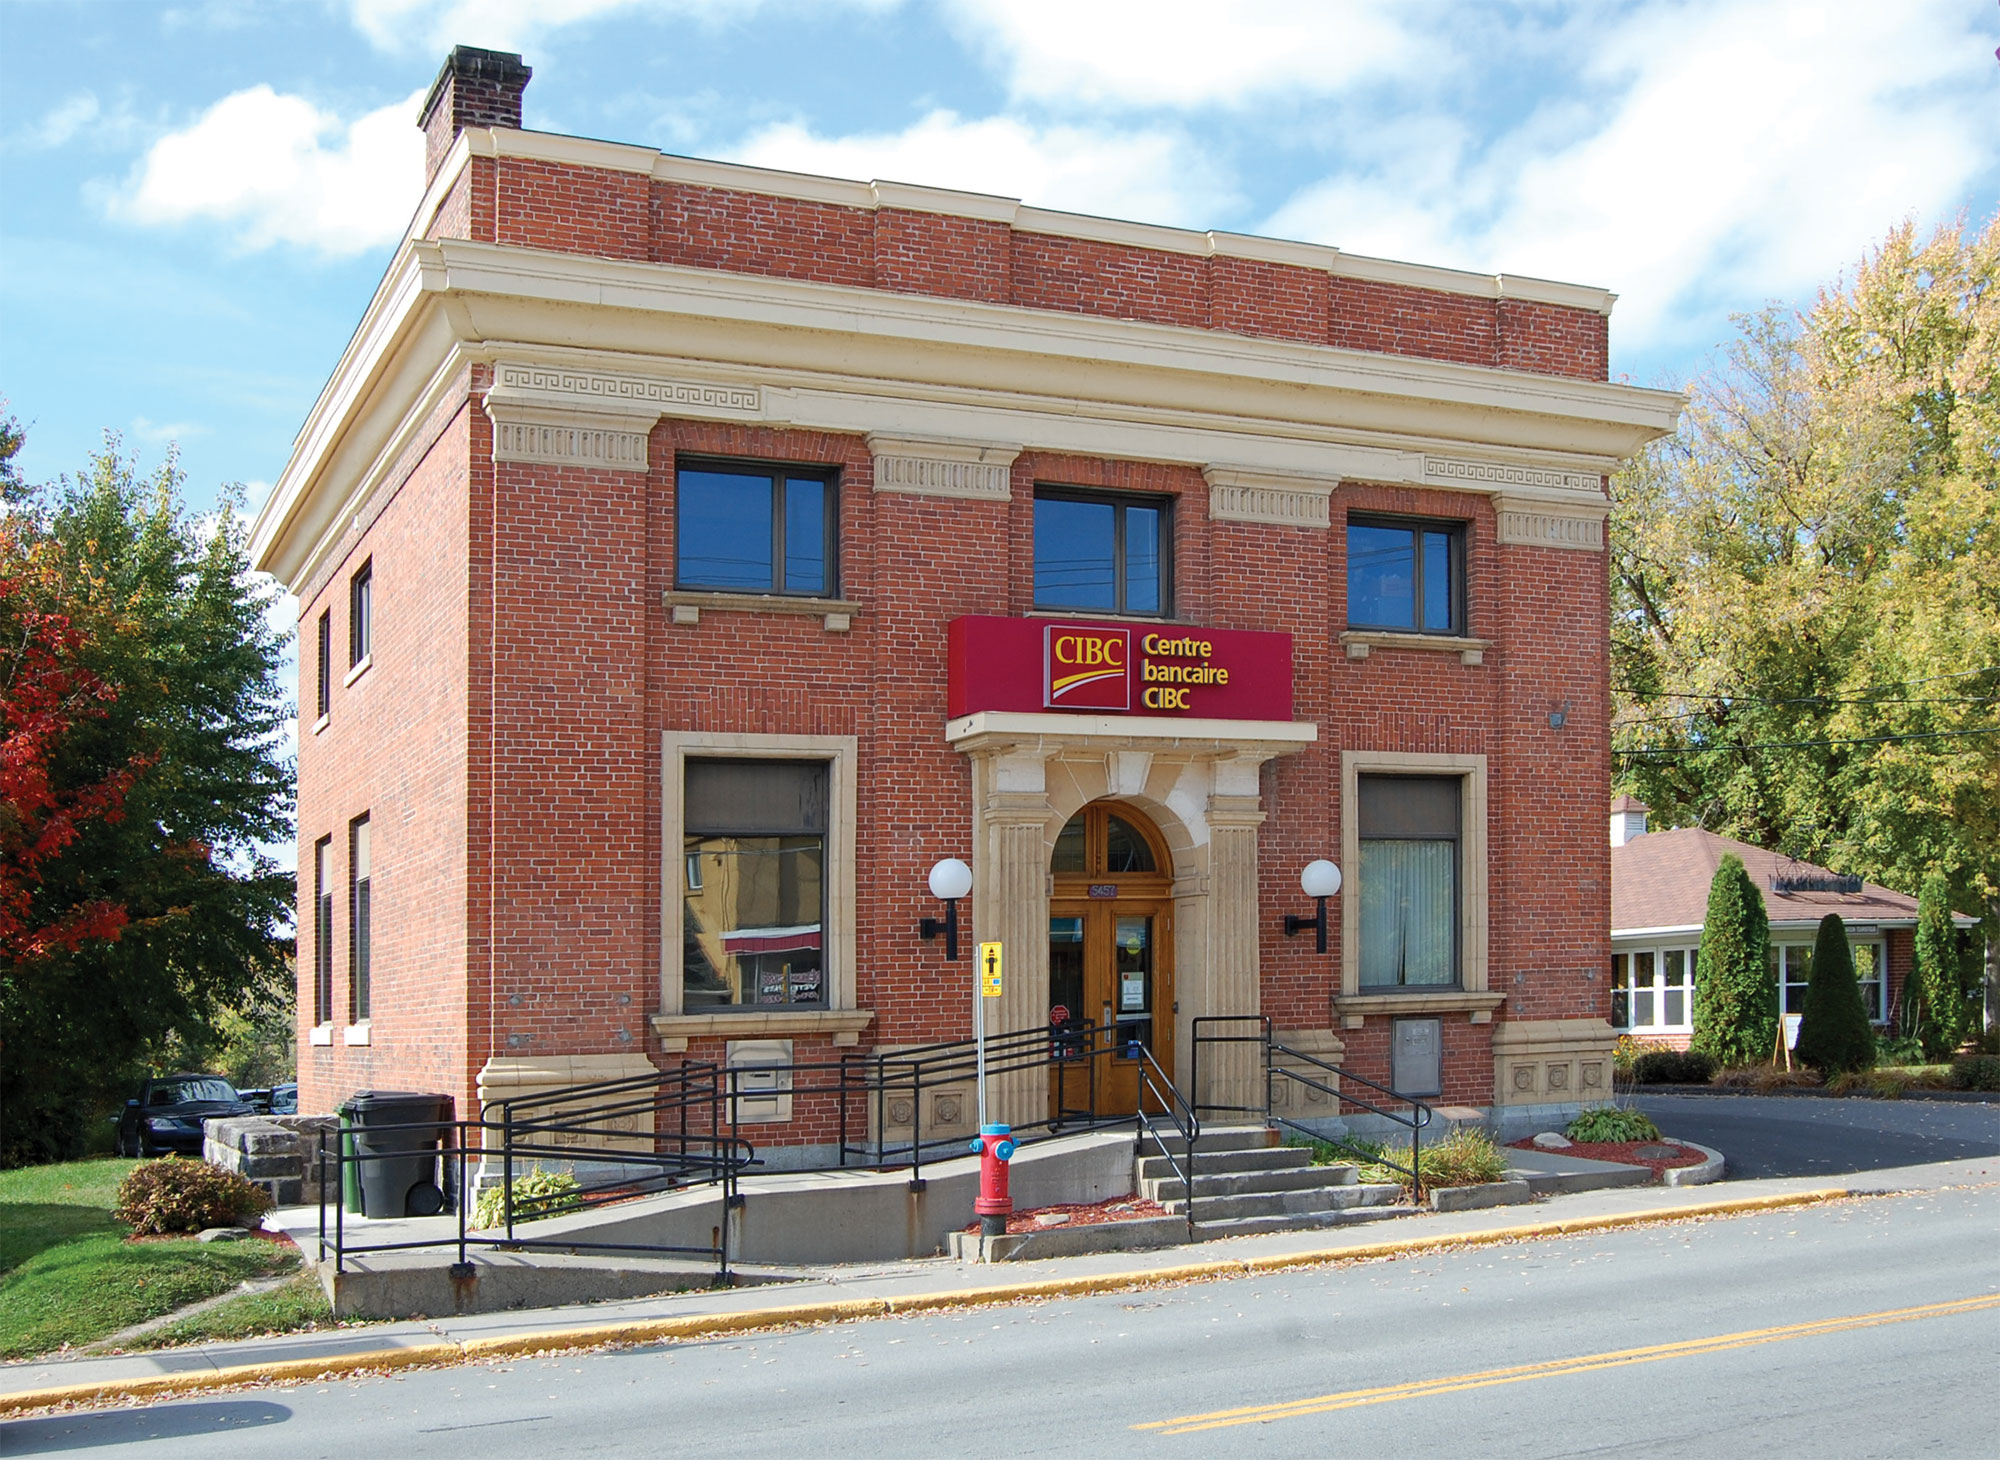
294	1308
69	1276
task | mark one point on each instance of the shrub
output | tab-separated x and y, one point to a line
1900	1050
176	1194
1611	1123
1766	1077
1735	997
1674	1067
1933	1004
1628	1051
1833	1031
1466	1157
1976	1072
537	1193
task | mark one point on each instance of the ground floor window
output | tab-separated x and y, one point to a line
1792	964
1652	990
1409	881
753	895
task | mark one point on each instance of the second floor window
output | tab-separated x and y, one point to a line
361	615
323	701
755	529
1111	554
1404	575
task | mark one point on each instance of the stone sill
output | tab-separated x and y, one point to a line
321	1034
1469	651
367	663
357	1034
845	1025
838	614
1478	1007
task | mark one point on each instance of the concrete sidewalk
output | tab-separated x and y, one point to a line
835	1293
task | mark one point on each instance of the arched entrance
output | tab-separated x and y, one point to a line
1111	969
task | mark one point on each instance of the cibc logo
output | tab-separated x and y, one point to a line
1086	669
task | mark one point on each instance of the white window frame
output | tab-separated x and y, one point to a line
842	756
1623	979
1878	952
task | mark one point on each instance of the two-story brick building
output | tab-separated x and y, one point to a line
689	555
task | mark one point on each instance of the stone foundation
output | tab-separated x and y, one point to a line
278	1152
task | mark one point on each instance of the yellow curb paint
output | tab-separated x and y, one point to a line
695	1325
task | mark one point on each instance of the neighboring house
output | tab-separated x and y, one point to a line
689	555
1659	898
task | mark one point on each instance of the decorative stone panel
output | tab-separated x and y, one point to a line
569	441
1552	1061
1292	1100
949	1110
1235	495
1453	471
517	1079
630	395
1551	524
977	471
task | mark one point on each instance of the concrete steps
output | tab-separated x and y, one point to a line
1245	1183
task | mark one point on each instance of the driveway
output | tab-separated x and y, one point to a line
1776	1135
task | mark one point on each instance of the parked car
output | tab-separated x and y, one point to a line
167	1113
285	1098
257	1097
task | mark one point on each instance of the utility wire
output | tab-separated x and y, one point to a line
1806	744
1727	694
1697	714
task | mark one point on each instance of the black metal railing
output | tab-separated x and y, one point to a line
1305	1070
617	1139
683	1127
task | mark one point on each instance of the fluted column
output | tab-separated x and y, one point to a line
1231	1074
1010	902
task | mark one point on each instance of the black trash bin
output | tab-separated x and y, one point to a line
395	1137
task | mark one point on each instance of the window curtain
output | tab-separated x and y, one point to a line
1408	911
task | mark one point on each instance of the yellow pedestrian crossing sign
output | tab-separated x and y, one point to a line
989	970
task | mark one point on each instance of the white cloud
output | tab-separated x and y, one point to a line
1184	53
160	433
276	169
63	121
1744	152
1156	176
425	26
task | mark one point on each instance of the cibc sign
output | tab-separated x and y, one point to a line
1118	669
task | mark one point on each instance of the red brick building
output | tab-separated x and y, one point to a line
684	554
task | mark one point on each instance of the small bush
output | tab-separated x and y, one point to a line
1976	1072
537	1193
1674	1067
1466	1157
1628	1051
1899	1050
1610	1123
176	1194
1763	1078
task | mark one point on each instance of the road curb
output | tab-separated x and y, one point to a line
701	1325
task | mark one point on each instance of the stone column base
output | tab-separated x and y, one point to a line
1552	1061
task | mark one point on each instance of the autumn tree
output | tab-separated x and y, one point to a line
1806	580
151	909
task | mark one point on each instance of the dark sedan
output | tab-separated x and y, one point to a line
168	1113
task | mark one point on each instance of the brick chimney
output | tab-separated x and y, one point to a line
475	89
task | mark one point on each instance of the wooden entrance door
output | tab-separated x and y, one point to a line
1110	962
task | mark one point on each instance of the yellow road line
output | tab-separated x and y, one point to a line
1553	1368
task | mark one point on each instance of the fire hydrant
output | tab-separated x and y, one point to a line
995	1148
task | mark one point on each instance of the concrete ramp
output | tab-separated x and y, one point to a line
854	1216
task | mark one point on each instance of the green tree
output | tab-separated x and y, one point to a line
1735	994
198	709
1806	580
1833	1028
1932	998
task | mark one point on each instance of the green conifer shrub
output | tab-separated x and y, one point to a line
1833	1030
1735	995
1933	986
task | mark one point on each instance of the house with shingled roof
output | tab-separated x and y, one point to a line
1659	898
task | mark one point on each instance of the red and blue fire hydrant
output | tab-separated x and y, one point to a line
995	1148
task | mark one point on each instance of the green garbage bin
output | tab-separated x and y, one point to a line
396	1138
350	1170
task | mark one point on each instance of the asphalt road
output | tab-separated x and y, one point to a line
1778	1135
1861	1328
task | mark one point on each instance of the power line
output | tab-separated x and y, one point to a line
1812	699
1864	699
1807	744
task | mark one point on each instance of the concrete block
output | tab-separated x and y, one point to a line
1472	1198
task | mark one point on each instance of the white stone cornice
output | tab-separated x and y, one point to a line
978	471
1537	522
1239	495
636	397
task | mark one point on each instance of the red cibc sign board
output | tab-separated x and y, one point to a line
1075	665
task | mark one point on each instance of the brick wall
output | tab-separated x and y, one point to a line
529	203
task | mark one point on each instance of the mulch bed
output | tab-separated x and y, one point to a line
1655	1156
1076	1214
